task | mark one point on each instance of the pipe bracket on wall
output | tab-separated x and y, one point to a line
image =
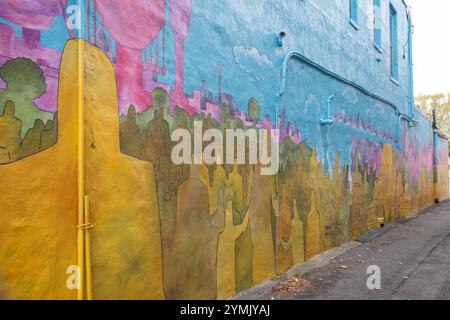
280	38
328	121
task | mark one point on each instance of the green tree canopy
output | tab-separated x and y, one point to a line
439	102
161	99
25	83
22	74
254	109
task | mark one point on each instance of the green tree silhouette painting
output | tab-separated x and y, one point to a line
25	82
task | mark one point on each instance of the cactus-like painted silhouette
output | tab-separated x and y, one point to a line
193	274
9	133
226	259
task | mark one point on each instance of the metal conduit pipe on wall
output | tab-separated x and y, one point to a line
299	56
410	65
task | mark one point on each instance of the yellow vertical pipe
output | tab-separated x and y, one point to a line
87	248
80	232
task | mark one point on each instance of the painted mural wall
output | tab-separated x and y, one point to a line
167	231
38	159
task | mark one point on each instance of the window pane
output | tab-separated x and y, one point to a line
377	22
354	10
393	41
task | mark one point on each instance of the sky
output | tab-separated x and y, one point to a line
431	41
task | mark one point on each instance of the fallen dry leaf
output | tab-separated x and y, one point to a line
293	285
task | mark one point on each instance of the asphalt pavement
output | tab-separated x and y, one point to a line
408	261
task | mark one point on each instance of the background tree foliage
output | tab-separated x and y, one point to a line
439	102
25	82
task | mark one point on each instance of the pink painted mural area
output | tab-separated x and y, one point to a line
32	16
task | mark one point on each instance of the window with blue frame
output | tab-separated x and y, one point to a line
354	13
393	42
377	24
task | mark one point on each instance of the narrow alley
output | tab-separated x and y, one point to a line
413	259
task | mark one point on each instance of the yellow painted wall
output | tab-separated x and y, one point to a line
38	206
126	243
